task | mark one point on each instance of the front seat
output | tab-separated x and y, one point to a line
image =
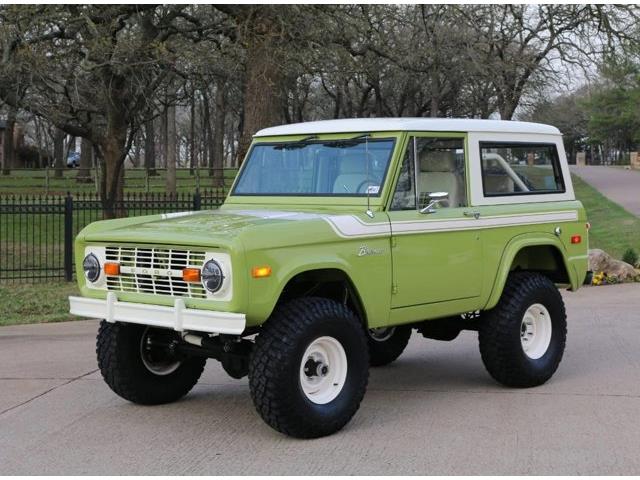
439	173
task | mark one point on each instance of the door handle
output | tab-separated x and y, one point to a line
475	215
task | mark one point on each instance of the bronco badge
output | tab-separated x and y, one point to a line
365	250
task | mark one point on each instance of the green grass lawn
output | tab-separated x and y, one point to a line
44	302
613	229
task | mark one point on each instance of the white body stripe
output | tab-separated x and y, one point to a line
350	226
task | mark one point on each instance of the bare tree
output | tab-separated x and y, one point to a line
93	71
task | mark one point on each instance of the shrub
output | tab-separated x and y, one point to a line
630	256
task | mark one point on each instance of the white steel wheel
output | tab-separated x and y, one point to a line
323	370
381	334
156	359
535	331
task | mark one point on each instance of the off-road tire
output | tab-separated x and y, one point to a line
121	365
499	333
274	367
383	352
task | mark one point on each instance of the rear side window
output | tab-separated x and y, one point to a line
520	169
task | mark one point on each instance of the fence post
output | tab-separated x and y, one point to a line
197	200
68	237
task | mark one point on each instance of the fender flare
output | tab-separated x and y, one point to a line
513	248
334	264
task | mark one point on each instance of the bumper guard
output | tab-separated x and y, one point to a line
178	317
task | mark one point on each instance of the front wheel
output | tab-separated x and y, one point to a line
522	339
138	364
309	369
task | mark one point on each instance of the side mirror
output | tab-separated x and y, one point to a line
434	199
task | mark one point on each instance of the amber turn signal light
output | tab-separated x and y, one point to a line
191	275
112	269
576	239
261	272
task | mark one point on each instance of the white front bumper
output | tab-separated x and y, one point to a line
178	317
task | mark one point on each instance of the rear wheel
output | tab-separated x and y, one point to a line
386	344
139	365
309	369
522	339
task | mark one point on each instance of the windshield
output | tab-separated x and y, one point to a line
352	167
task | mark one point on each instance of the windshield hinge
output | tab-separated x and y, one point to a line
394	288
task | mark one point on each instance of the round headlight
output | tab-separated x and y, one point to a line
91	267
212	276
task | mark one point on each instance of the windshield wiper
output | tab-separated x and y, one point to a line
303	142
349	142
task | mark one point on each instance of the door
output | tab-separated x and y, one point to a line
436	246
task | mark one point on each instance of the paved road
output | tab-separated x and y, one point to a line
435	411
620	185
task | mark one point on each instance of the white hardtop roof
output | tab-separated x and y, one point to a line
361	125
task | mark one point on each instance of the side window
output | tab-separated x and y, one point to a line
404	197
520	168
434	165
440	167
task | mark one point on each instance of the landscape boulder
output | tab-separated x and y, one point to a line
601	261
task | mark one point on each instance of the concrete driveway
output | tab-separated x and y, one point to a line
435	411
620	185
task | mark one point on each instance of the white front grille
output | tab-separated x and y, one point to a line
154	270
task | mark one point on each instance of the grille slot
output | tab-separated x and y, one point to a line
154	270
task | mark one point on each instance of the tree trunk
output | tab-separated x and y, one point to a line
192	134
218	137
263	80
38	141
112	185
84	169
435	107
170	152
202	129
507	110
113	147
149	148
207	148
58	153
8	150
163	137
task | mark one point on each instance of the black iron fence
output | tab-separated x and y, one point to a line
37	232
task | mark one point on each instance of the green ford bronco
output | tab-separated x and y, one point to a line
336	241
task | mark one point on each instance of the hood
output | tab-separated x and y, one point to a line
218	228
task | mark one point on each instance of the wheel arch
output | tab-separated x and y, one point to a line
528	253
331	282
